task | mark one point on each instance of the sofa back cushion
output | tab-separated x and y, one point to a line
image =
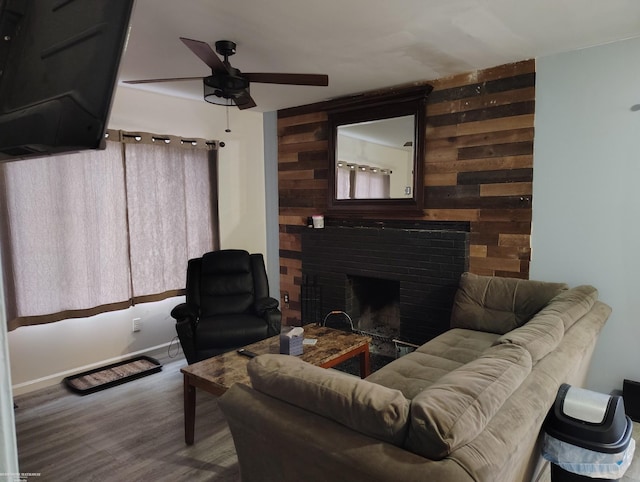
455	409
365	407
498	305
573	304
543	333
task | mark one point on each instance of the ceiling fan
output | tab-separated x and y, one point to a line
227	85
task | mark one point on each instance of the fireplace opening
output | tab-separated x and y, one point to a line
374	306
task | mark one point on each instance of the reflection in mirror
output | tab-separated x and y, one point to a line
376	152
374	159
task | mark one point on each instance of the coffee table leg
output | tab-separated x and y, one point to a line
365	363
189	411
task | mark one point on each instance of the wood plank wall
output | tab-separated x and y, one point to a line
478	168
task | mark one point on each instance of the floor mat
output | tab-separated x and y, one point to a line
111	375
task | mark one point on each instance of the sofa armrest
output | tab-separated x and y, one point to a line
276	438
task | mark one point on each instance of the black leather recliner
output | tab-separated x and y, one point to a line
227	304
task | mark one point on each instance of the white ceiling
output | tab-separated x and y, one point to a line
361	44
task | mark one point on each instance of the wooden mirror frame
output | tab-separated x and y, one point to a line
409	101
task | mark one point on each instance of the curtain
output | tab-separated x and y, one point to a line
96	231
173	183
380	185
343	182
371	185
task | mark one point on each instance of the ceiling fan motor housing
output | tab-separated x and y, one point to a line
229	84
226	48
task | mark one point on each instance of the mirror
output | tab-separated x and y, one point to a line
376	151
374	159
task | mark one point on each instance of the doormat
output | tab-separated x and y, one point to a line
111	375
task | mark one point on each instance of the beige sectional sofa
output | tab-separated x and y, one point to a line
465	406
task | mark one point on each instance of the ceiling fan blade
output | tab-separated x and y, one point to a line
293	79
149	81
245	101
205	53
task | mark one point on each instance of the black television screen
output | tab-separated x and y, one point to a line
59	63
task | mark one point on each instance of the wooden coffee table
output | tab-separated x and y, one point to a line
215	375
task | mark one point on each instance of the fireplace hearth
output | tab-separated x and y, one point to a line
396	280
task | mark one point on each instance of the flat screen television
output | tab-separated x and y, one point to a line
59	63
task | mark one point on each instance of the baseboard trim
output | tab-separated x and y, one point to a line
160	352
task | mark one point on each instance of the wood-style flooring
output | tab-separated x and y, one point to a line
132	432
135	432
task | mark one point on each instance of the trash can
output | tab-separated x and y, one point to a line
587	436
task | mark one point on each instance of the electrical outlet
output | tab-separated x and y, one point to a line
286	298
137	325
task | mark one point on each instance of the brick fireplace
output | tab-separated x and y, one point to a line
395	279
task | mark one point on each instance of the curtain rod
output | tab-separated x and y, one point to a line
161	139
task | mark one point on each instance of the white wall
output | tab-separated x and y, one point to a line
44	354
586	213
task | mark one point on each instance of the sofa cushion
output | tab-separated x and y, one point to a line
416	371
455	409
539	336
543	333
363	406
572	304
499	305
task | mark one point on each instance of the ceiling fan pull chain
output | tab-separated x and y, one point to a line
227	129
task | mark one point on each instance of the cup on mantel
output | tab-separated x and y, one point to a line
318	221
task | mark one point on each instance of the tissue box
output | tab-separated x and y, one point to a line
291	341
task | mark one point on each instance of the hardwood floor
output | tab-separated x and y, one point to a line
135	432
132	432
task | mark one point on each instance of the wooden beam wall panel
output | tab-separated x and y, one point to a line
293	220
478	167
507	189
495	150
481	101
494	177
514	239
451	214
487	138
442	179
305	184
495	264
479	115
294	175
478	251
310	118
499	72
482	164
305	133
498	124
321	145
511	215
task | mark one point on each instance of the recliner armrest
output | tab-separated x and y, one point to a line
184	311
187	339
267	308
264	304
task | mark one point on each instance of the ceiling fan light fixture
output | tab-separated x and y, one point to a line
216	96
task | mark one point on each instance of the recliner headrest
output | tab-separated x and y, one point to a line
226	261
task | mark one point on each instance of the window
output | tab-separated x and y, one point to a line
100	230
